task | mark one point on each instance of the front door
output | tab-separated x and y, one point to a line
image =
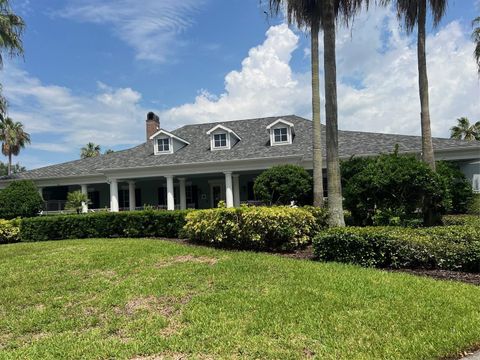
218	194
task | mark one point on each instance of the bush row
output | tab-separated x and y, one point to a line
256	228
472	220
9	231
448	247
104	225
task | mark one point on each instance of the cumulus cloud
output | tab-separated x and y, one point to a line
377	80
151	27
265	85
110	117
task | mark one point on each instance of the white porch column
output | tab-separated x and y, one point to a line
114	195
84	190
183	194
131	195
236	190
170	193
228	189
40	191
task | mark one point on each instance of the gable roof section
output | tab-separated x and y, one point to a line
165	132
220	126
280	121
255	145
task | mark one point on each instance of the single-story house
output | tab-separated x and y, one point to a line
198	165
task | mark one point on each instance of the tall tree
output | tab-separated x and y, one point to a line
413	13
307	14
13	138
464	130
476	40
11	30
316	15
17	168
90	150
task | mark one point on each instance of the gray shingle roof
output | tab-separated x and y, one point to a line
254	145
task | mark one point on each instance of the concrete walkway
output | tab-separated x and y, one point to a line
474	356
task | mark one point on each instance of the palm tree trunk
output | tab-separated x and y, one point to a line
335	206
317	129
9	163
427	146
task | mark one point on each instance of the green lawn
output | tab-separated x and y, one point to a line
124	299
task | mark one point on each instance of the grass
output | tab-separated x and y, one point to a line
125	299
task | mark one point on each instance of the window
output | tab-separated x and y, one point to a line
280	135
163	145
220	140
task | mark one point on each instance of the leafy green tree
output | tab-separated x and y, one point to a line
413	13
13	138
11	30
459	189
465	131
391	189
17	168
76	201
20	199
90	150
280	185
316	15
476	40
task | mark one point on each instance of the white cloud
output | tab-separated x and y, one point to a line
265	85
111	117
377	80
151	27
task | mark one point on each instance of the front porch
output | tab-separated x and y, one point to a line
162	192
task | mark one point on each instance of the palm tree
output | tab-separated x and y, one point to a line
465	131
413	13
476	40
316	15
90	150
11	30
307	14
13	138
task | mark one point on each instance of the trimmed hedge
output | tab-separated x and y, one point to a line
253	228
104	225
9	231
447	247
472	220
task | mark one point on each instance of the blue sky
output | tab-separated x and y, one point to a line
93	68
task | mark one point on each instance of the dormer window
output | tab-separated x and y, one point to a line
222	138
281	132
163	145
165	142
280	135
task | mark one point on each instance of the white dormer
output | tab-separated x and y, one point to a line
165	142
222	138
281	132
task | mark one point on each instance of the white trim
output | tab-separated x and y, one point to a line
219	126
164	132
288	123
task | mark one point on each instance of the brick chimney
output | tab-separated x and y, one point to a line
152	124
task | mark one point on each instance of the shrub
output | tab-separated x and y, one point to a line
124	224
448	247
255	228
9	231
392	190
471	220
280	185
474	207
459	189
20	199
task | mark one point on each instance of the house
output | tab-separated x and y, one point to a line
198	165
